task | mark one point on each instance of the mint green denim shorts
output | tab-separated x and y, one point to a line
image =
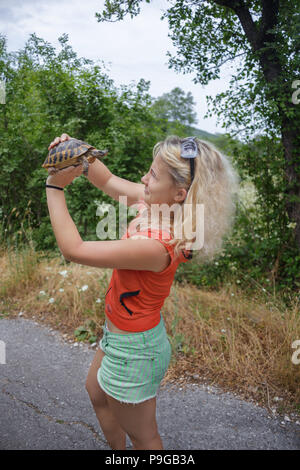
134	364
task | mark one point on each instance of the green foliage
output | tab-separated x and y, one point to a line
261	40
176	106
262	249
86	332
50	92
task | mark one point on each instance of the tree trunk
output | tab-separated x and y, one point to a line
263	41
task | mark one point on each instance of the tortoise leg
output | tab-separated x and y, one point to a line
85	166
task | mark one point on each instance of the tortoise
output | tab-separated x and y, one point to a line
72	152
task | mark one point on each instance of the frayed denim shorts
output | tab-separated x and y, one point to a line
134	364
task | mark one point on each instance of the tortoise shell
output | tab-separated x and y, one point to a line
71	152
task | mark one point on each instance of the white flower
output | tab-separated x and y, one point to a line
216	263
238	281
85	287
63	273
98	301
223	331
61	290
42	292
51	300
264	289
232	294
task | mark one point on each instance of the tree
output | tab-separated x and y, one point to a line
262	38
49	92
176	106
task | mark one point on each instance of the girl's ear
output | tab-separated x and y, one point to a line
181	195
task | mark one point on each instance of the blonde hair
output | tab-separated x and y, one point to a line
215	185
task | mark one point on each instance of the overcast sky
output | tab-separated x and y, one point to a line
131	49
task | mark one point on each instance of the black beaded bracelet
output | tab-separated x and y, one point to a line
55	187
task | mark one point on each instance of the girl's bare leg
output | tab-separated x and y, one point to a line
110	426
139	422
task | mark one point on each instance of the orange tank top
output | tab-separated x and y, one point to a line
134	298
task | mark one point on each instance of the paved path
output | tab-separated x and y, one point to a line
44	404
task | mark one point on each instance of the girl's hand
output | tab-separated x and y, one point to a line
65	176
58	140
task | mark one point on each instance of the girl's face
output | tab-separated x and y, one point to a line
159	185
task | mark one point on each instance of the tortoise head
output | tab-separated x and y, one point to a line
98	153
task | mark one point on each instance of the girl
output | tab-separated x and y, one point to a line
134	352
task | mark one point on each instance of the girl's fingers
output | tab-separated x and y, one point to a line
70	169
57	140
77	170
54	142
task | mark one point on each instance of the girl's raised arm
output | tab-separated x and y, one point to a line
101	177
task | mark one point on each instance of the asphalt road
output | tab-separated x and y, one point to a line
44	404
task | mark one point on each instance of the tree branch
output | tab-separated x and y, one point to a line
245	18
226	60
259	37
116	9
233	4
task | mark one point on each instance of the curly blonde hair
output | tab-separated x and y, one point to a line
215	186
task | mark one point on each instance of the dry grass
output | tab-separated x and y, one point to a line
51	290
240	344
224	338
